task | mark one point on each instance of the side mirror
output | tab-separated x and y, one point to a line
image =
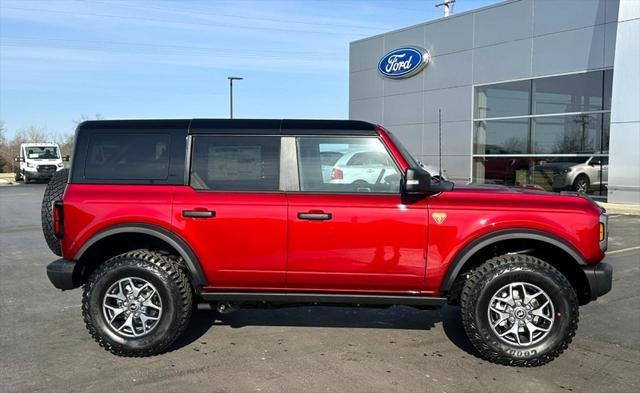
65	158
417	181
19	159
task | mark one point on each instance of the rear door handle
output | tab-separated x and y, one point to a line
198	213
314	216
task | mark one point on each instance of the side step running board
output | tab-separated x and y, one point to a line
278	297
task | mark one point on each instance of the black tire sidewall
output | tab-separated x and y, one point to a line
54	191
585	178
169	295
562	309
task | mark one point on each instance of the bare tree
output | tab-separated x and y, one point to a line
5	164
84	117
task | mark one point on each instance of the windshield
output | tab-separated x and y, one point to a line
41	152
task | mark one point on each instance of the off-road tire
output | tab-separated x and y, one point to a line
52	193
487	279
166	274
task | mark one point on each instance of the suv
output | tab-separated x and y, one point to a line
159	216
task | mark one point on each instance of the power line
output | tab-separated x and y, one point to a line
13	41
213	24
192	11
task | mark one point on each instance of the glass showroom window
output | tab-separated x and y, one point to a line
552	132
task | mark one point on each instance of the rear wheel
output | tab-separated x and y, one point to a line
518	310
137	303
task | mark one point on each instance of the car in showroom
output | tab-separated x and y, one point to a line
581	173
155	217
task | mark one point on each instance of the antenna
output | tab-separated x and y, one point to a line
440	142
448	6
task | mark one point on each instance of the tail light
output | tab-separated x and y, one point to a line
336	174
58	219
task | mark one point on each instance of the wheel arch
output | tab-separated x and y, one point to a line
127	237
543	245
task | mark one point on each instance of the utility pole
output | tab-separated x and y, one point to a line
231	79
448	7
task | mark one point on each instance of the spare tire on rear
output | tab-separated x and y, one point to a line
52	193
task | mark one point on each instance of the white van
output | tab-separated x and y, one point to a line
38	161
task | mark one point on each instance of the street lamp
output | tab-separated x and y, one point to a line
231	79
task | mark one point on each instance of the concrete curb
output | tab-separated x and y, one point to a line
618	208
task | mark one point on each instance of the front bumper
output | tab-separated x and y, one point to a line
64	274
600	278
42	171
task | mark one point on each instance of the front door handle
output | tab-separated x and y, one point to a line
314	216
198	213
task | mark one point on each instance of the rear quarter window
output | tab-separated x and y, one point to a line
128	157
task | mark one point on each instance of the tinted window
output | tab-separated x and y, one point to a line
568	93
121	156
568	134
235	163
502	136
501	170
364	166
504	99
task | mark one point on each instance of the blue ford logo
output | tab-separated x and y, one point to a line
403	62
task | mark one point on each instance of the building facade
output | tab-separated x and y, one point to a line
521	92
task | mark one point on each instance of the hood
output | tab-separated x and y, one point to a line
499	189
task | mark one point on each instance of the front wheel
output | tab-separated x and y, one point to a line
581	184
137	303
518	310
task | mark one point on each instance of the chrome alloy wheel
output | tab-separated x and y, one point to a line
132	307
521	314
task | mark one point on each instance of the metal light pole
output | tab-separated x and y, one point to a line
231	79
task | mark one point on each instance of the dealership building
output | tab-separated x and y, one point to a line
522	92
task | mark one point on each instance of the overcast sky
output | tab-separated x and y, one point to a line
63	59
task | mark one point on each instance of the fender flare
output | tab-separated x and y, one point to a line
175	241
476	245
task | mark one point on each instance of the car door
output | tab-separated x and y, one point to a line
353	237
232	212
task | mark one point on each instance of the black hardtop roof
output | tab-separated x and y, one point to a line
235	126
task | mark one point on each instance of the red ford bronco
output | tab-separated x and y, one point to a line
155	217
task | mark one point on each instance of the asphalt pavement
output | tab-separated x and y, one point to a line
44	346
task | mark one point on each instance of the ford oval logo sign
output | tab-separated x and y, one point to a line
403	62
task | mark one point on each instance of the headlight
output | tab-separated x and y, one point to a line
30	165
565	171
60	165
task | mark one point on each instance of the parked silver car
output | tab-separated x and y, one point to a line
580	174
